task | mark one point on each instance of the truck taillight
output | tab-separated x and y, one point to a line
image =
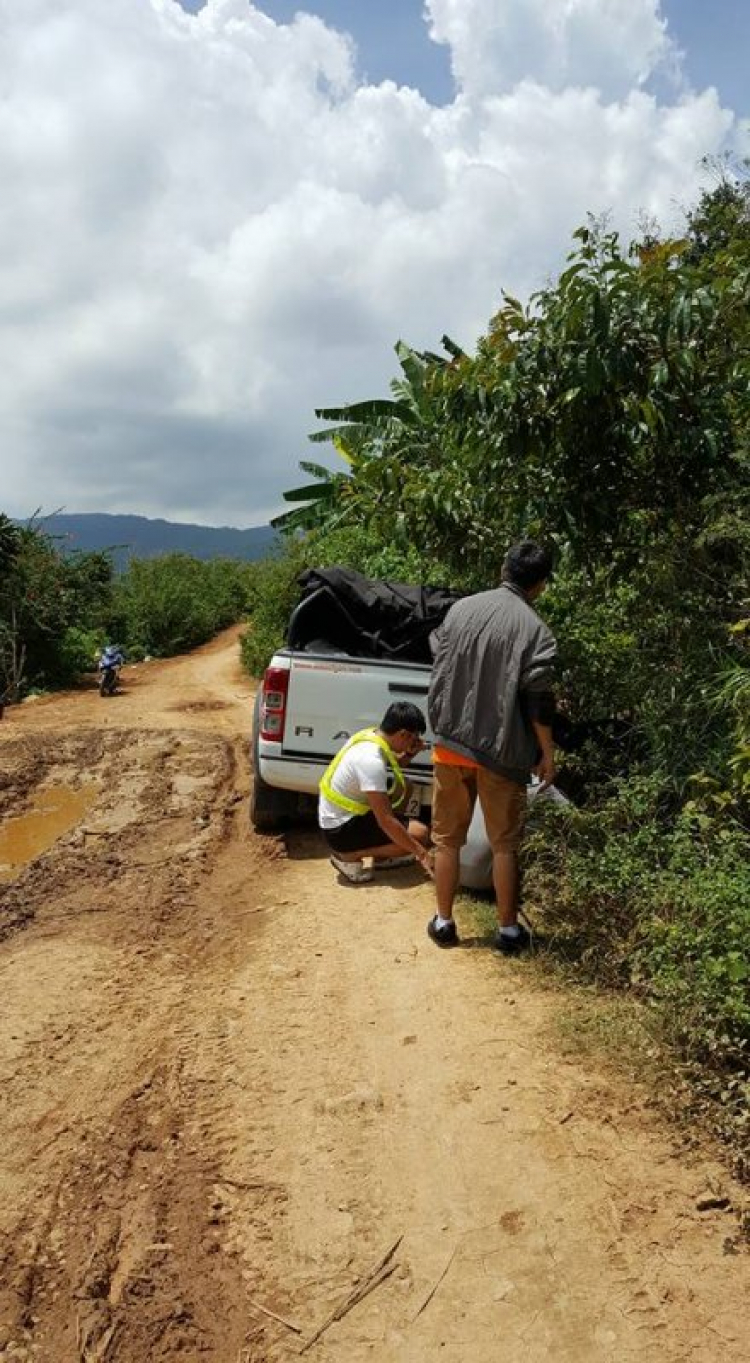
273	703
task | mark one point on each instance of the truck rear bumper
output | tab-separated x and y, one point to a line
286	773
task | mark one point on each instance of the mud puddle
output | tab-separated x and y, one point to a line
54	811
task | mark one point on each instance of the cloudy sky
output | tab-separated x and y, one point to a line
217	216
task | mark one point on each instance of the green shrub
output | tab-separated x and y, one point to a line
166	605
641	896
78	651
693	957
273	594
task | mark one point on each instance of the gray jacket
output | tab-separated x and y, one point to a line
492	671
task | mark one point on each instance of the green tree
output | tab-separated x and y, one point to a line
721	219
43	595
10	543
609	417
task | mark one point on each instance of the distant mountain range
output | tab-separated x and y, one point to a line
139	537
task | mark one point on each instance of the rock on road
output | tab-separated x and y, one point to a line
229	1085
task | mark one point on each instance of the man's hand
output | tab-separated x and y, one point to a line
425	860
545	769
395	831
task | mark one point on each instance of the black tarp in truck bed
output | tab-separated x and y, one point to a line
343	612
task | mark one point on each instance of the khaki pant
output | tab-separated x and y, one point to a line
455	793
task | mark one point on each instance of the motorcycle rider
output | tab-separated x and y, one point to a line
111	660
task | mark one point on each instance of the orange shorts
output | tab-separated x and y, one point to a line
455	792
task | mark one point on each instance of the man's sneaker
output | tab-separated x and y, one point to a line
390	863
353	871
446	936
512	946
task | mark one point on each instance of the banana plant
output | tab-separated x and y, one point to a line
318	500
360	435
370	422
327	501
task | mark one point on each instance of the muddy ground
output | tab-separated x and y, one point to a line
230	1085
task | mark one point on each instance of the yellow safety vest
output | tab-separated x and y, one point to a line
356	806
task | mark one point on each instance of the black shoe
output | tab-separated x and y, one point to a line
445	936
512	946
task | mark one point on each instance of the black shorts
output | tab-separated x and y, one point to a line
359	834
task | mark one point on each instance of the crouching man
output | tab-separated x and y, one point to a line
363	796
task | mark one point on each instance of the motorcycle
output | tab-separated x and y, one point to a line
109	671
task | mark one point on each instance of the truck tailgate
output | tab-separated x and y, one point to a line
331	698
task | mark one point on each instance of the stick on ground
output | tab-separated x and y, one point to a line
434	1289
264	1310
382	1270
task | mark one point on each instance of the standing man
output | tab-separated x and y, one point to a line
491	708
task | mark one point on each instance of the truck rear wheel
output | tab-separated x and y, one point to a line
270	810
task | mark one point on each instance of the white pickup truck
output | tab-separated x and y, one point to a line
315	694
354	646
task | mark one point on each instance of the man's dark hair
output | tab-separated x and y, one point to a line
526	564
403	715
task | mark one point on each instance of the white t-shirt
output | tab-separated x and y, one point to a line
363	768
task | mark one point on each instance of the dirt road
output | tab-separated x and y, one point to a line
229	1085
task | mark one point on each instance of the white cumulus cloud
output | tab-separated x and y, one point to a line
611	44
210	226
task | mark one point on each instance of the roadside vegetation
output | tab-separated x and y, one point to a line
609	417
58	609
